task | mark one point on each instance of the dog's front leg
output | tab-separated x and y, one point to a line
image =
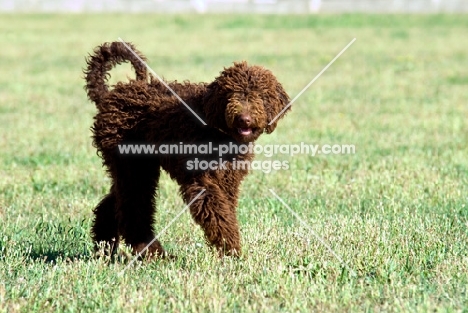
215	211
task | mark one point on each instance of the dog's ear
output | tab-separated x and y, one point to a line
277	107
214	106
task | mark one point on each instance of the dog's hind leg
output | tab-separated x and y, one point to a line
104	228
136	183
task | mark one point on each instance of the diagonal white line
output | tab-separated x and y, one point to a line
312	81
313	233
162	231
161	80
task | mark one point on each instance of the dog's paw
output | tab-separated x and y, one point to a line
152	251
106	250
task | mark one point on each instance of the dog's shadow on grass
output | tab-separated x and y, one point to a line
28	252
54	256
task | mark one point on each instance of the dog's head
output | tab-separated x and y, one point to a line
244	101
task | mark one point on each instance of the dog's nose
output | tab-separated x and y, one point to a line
245	119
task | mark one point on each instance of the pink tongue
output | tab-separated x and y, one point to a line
245	131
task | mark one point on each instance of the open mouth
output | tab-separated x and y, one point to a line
245	131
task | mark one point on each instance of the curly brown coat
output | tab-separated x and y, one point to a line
237	107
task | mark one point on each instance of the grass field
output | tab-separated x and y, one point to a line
395	211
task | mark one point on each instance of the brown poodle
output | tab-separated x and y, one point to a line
237	108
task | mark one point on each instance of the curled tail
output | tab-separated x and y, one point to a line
104	58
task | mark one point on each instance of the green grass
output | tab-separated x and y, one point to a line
395	212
